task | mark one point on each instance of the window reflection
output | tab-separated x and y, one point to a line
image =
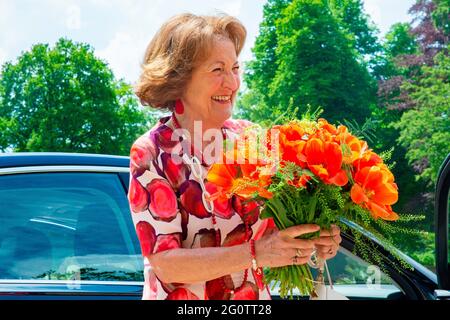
58	226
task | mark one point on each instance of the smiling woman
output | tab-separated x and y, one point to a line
195	247
179	51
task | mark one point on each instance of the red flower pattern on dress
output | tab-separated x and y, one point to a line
237	126
247	210
150	286
184	223
205	238
166	242
137	196
141	154
215	289
163	138
266	226
163	201
259	278
248	292
147	237
191	199
176	173
237	236
170	287
181	294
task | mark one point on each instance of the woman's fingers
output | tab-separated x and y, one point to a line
300	256
326	249
287	250
335	230
300	243
300	261
291	256
328	241
326	256
303	252
299	230
329	238
326	252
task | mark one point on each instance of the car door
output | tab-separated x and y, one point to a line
442	230
66	233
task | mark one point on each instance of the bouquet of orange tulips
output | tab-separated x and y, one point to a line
306	171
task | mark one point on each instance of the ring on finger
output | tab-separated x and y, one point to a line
298	253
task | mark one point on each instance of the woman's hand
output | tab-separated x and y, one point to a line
328	242
280	248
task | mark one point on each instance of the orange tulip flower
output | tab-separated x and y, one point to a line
353	148
368	158
374	191
324	126
241	179
325	160
292	138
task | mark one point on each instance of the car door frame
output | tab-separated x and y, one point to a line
441	225
11	289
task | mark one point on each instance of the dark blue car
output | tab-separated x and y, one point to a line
66	233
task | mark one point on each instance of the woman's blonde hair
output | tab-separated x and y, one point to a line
177	48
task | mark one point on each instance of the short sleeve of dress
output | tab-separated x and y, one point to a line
152	200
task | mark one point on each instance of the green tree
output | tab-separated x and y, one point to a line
441	16
425	129
359	29
262	69
410	50
303	53
400	41
424	134
65	99
399	45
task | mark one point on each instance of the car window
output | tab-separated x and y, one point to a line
356	278
66	226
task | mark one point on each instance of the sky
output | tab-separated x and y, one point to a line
119	30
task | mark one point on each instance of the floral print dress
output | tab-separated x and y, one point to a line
168	213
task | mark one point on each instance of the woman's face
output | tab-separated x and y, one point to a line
211	92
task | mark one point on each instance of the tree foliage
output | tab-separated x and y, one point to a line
429	29
400	43
415	91
358	27
326	54
425	129
310	52
430	26
65	99
413	95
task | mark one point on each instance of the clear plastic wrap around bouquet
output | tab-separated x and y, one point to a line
307	171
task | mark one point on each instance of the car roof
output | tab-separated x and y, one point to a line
24	159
